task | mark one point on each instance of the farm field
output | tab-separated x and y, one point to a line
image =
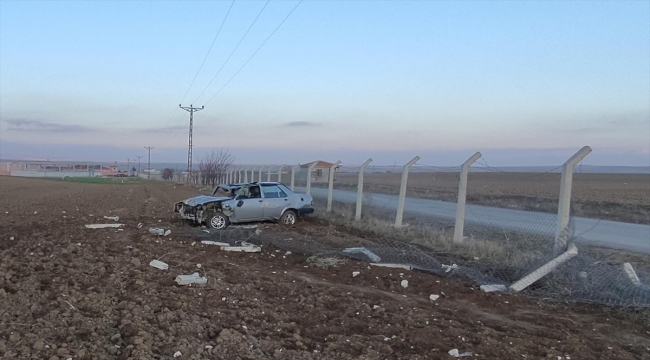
618	197
71	292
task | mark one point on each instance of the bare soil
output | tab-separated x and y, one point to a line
617	197
71	292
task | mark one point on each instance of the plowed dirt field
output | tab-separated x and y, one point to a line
71	292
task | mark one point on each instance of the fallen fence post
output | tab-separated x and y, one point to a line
545	269
330	188
309	170
293	176
462	196
631	274
564	207
362	169
402	191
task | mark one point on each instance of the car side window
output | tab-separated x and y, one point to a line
273	192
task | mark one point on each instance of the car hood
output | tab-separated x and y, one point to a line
204	199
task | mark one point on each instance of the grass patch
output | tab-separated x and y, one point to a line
100	180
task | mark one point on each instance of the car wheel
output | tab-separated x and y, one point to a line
218	221
288	218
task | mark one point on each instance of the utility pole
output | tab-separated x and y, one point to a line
149	166
139	164
191	110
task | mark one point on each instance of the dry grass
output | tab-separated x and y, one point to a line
514	253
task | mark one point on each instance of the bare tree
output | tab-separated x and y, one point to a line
168	173
213	166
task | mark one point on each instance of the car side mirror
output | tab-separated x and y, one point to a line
240	203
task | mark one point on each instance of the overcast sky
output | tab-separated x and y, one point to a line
524	82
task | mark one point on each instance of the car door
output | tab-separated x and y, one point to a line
275	201
249	205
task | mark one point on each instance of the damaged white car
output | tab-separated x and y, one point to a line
246	202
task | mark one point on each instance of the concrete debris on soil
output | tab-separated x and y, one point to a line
355	273
114	218
361	250
159	231
433	297
456	353
102	226
491	288
449	268
191	279
159	265
248	249
397	266
405	284
177	354
217	243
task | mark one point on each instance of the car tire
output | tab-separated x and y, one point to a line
218	221
289	218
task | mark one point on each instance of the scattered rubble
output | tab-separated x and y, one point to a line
195	278
159	231
217	243
355	273
405	284
433	297
114	218
102	226
491	288
159	265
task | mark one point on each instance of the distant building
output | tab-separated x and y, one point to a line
51	169
320	173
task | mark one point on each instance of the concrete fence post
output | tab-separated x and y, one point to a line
260	174
309	170
402	191
362	169
293	176
564	206
252	174
462	196
268	173
280	174
240	174
330	186
245	175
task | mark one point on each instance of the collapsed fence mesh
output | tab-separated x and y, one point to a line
509	233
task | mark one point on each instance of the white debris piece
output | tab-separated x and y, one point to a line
258	232
249	249
454	352
355	273
405	283
11	238
159	265
191	279
433	297
139	225
102	226
177	354
631	274
198	266
371	255
159	231
287	253
167	232
397	266
449	267
465	354
114	218
217	243
208	346
491	288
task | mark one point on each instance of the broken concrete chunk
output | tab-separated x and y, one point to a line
217	243
491	288
102	226
433	297
355	273
159	265
177	354
114	218
167	232
405	283
191	279
398	266
356	250
159	231
249	249
454	352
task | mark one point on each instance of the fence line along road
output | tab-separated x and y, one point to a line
612	234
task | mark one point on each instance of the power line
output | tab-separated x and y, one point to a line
202	63
209	50
258	49
233	51
149	166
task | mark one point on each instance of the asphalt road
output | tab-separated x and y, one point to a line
611	234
